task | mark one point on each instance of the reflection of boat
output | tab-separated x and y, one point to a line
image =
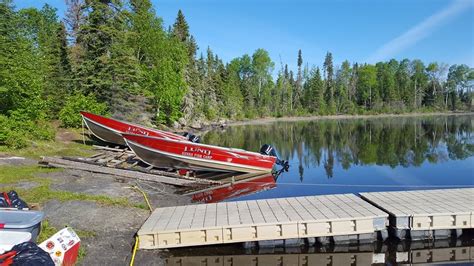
110	130
250	185
178	154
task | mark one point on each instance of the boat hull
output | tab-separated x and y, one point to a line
164	153
104	133
110	130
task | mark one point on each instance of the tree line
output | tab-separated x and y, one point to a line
117	57
394	142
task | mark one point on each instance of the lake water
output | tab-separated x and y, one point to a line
348	156
362	155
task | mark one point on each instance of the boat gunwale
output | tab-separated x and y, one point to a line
127	123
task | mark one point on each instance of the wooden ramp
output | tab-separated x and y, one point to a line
427	209
256	220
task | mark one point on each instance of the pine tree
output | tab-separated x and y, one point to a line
317	104
328	75
299	81
60	86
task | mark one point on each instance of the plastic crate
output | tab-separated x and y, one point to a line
21	221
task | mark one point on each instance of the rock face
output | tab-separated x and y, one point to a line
175	125
196	124
182	121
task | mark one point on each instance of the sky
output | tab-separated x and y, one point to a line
358	31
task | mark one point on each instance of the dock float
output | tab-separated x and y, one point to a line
289	219
426	214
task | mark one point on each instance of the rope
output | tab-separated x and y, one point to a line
368	185
137	240
134	252
137	187
83	132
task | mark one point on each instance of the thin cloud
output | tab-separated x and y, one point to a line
419	31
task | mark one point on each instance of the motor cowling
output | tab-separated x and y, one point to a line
268	149
192	137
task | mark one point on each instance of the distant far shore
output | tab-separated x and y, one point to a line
331	117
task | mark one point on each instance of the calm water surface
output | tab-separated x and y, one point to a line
350	156
361	155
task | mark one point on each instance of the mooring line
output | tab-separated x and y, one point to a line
367	185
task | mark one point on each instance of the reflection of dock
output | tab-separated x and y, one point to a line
434	214
456	254
366	258
421	256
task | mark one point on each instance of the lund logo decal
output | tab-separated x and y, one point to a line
137	131
197	152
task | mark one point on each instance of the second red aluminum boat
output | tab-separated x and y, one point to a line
110	130
179	154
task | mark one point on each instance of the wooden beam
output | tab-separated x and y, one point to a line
62	163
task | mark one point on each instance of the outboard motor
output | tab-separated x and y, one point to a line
267	149
192	137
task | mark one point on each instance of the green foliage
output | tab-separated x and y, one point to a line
70	116
18	130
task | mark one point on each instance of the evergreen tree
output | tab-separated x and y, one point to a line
299	82
317	104
60	86
328	76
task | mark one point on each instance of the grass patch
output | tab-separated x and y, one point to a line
142	206
58	147
50	148
47	231
10	175
13	174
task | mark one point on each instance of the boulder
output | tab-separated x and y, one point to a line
175	125
196	124
182	121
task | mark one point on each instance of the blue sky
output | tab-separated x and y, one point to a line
359	31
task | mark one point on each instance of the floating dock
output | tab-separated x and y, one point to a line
286	219
420	214
415	215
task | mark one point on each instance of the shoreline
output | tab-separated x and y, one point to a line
266	120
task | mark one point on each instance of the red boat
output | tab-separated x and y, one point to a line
179	154
237	189
110	130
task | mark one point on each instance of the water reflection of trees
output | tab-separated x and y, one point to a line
399	141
